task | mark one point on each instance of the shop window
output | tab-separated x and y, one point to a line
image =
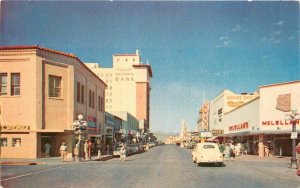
3	142
3	82
16	142
54	86
15	83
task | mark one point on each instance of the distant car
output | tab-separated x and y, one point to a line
190	145
207	153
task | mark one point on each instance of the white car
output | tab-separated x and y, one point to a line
207	153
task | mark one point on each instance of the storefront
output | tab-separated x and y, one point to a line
259	124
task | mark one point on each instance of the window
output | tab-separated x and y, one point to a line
15	83
78	91
90	98
102	104
93	99
82	94
16	142
99	103
54	86
3	142
3	84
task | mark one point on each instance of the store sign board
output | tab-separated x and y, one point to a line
91	123
14	127
284	102
205	134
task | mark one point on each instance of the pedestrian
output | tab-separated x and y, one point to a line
47	147
123	152
298	155
227	152
76	152
232	154
267	150
86	150
63	152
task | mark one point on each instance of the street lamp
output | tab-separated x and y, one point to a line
79	126
293	117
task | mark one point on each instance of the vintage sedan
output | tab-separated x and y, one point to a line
207	153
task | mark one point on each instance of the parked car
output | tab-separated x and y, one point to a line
207	153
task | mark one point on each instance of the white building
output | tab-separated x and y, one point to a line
128	86
259	123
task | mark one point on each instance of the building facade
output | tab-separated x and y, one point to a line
224	103
128	86
259	124
42	92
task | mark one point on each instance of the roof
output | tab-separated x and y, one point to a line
37	47
282	83
145	66
125	55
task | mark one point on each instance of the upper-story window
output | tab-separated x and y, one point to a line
133	59
15	83
80	93
3	84
54	86
126	59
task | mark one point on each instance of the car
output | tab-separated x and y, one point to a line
207	152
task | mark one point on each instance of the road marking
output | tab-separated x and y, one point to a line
15	177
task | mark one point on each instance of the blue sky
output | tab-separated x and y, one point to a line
193	47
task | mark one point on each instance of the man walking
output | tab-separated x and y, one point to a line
63	152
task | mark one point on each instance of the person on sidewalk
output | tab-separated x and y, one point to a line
227	152
47	148
298	155
123	153
76	153
232	154
63	152
86	150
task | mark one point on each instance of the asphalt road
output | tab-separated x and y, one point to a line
161	166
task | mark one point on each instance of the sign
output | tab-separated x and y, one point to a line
124	75
91	123
278	122
284	103
216	132
294	135
205	134
14	127
238	127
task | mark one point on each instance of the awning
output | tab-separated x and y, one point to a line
214	139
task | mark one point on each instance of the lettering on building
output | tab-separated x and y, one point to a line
217	132
14	127
238	127
124	75
278	122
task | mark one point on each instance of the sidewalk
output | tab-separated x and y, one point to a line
262	159
48	161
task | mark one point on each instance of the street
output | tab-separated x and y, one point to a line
161	166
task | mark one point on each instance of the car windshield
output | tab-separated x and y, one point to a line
208	146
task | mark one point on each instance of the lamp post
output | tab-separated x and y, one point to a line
79	127
293	117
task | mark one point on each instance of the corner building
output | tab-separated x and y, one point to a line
128	86
42	91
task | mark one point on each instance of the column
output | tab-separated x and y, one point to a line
261	150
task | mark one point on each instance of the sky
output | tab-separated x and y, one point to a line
196	49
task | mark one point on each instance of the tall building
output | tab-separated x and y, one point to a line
128	86
42	92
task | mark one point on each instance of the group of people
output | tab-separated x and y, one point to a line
232	150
